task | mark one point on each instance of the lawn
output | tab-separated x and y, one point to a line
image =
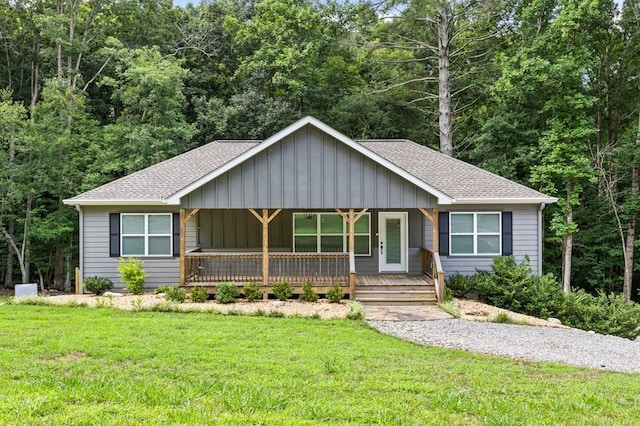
66	365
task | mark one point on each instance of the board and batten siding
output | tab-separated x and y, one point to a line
238	230
96	262
525	239
308	169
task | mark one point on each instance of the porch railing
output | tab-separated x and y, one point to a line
316	268
432	267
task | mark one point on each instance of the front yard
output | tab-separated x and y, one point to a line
66	365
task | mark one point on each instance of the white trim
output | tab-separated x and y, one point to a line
80	202
404	241
476	201
175	198
146	235
475	233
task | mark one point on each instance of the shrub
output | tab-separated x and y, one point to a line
252	292
282	290
335	295
460	285
97	285
161	289
308	295
227	293
132	274
198	294
175	294
356	311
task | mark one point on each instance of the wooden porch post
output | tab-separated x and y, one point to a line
433	217
351	219
183	245
184	218
265	219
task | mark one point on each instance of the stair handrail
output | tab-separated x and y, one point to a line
432	267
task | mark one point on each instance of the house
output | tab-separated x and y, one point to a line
382	218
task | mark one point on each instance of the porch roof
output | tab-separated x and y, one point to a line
449	179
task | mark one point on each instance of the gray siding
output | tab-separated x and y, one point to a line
525	239
309	170
96	262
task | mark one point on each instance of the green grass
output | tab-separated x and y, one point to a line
71	365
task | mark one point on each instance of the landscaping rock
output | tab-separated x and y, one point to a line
112	294
554	320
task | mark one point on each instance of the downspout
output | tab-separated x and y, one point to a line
81	241
540	233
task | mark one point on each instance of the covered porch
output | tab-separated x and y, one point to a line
209	266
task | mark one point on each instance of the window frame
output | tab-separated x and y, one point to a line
475	234
319	234
146	235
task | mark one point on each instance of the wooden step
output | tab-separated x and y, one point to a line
380	295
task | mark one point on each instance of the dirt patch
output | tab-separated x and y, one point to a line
73	357
322	308
478	311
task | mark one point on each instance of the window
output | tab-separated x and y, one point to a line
475	233
146	234
329	233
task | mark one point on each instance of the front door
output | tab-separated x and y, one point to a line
392	242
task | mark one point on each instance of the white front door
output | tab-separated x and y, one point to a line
392	242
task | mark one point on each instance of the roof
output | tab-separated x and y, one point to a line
449	179
463	182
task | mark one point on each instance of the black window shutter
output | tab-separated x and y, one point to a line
114	234
443	233
176	234
507	233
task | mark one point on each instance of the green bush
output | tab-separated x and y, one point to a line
308	295
356	311
161	289
175	293
252	292
461	285
97	285
198	294
335	295
282	290
227	293
516	288
132	274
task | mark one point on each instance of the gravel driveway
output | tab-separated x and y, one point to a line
566	346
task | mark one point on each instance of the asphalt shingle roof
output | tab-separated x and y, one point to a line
158	182
456	179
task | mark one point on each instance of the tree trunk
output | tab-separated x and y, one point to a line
567	246
443	20
58	270
631	227
8	278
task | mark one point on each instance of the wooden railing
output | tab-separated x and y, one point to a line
316	268
432	267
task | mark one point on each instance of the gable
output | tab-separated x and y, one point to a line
308	169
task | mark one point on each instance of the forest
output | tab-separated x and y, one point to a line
544	92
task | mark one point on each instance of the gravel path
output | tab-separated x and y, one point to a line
565	346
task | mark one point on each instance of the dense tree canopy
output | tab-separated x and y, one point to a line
545	92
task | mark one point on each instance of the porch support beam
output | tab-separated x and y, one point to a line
184	218
433	217
265	218
351	219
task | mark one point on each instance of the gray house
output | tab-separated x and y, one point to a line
385	219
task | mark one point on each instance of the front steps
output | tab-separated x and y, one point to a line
397	294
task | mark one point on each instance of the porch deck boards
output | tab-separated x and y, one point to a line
396	289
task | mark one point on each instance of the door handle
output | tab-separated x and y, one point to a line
381	247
